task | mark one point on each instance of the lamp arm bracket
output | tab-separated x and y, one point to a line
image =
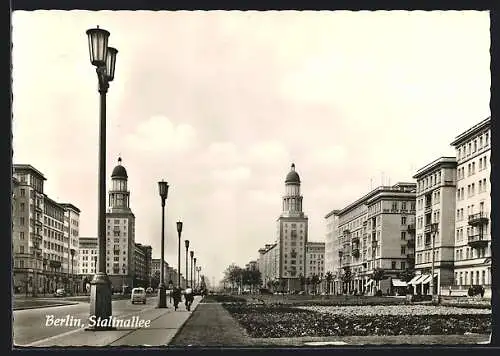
102	78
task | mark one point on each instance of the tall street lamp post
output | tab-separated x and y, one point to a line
194	273
72	251
179	232
434	230
198	269
186	277
191	253
104	59
162	295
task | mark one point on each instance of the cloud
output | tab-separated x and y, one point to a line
231	175
159	134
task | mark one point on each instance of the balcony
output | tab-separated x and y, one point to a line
427	228
477	241
478	219
428	243
38	207
411	228
374	243
355	252
355	239
346	232
55	264
428	209
410	243
365	223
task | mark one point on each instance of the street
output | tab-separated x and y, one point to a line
29	325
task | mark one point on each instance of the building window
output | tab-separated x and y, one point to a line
393	265
403	220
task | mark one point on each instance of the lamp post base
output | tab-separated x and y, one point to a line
162	297
100	303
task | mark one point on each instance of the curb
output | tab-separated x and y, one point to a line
45	306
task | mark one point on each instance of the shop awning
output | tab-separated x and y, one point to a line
398	283
368	283
427	278
415	280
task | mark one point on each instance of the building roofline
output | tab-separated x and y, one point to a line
29	167
471	131
46	197
441	161
333	212
373	193
71	206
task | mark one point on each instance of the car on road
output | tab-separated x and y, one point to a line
60	293
149	290
138	295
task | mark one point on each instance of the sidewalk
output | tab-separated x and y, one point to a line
165	323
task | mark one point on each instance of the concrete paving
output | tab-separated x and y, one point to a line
164	325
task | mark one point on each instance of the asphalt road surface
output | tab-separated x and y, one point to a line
30	325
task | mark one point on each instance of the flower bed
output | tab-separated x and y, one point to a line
288	321
376	310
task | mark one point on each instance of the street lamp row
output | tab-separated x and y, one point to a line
162	298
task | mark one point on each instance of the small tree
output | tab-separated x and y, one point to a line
377	275
328	278
406	275
314	282
302	281
346	276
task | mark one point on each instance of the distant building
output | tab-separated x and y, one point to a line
472	243
435	219
374	232
143	266
44	234
120	232
282	264
315	259
88	254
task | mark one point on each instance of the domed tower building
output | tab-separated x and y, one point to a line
292	234
120	231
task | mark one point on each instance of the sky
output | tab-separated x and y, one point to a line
219	104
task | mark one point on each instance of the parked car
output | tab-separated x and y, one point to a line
149	290
60	293
138	295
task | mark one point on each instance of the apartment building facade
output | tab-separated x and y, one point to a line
143	268
315	259
374	233
42	245
435	226
472	243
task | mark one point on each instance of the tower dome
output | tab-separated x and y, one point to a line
292	177
119	171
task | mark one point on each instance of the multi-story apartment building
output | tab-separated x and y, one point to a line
88	252
292	232
142	268
42	250
330	239
120	235
269	264
284	261
473	204
252	266
156	268
71	236
435	225
315	259
373	233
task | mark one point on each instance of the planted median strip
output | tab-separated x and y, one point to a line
276	321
